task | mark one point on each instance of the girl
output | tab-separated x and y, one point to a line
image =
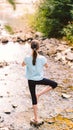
34	73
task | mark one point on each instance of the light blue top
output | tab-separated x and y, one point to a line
35	72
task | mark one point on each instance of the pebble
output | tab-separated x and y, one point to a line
64	95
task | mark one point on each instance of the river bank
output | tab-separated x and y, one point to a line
56	107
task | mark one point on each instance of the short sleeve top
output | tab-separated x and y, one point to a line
35	72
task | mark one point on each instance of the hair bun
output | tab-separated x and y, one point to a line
35	44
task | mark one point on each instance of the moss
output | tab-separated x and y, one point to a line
58	123
9	29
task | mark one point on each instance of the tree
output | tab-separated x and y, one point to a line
53	16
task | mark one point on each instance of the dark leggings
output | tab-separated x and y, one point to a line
32	87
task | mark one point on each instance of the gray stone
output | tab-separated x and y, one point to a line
69	56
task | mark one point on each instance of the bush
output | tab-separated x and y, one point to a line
53	16
68	32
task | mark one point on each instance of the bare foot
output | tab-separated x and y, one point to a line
36	122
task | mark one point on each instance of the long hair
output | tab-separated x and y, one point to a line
34	47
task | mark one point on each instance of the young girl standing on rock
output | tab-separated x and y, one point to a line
34	73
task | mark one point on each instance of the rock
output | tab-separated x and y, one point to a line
66	51
46	41
69	110
58	56
69	56
72	49
61	48
1	96
51	51
38	34
66	96
14	106
6	74
2	64
4	40
70	64
7	112
50	120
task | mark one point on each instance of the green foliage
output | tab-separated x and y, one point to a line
68	32
12	2
9	29
53	16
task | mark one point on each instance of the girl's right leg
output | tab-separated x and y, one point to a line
45	90
52	84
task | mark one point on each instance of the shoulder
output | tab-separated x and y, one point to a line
40	56
27	58
42	59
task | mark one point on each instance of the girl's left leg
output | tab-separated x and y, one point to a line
32	88
35	111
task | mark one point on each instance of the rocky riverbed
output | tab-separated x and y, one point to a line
56	107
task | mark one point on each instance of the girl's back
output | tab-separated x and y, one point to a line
35	72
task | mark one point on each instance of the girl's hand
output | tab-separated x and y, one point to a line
23	64
46	65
